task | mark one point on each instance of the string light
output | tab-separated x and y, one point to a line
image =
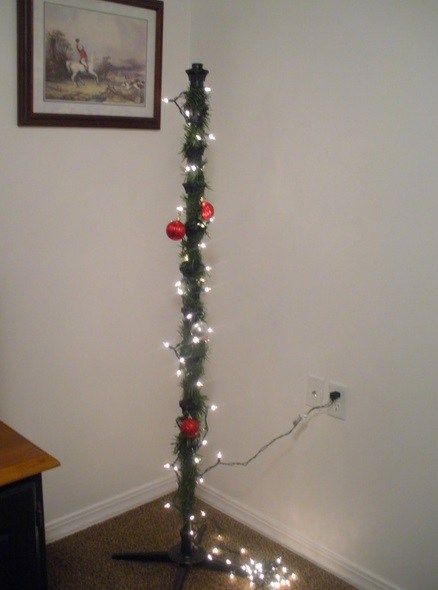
219	455
197	460
211	137
198	137
204	442
210	330
213	407
167	505
187	112
202	245
189	316
203	513
232	576
199	384
208	268
166	466
192	517
228	561
180	208
201	480
196	340
207	89
178	373
210	557
215	551
182	360
166	344
178	284
207	289
165	100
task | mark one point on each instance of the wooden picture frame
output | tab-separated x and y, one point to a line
58	83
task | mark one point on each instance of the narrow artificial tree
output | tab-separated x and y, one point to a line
191	352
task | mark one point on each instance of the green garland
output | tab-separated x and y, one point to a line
193	402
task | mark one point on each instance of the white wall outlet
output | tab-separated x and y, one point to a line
315	391
338	409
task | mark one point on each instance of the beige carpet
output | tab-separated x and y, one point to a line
83	560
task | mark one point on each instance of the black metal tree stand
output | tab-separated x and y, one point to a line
189	553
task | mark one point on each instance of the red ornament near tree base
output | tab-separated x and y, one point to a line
176	230
189	427
207	210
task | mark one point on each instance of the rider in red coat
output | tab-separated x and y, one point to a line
83	57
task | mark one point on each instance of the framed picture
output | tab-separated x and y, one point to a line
90	63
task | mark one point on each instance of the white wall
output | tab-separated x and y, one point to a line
325	177
86	301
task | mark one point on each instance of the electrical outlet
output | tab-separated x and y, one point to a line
315	391
338	409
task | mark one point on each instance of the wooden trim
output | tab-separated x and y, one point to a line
26	115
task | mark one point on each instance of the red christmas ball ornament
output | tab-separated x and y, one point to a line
189	427
207	210
176	230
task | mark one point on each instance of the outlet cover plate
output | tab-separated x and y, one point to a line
315	391
338	409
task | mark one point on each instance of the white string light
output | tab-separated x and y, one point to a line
165	100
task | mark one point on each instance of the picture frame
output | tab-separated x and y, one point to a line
90	63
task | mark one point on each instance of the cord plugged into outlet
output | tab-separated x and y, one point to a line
334	395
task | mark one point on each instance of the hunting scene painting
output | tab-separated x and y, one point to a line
94	57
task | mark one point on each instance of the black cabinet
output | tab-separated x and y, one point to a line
22	539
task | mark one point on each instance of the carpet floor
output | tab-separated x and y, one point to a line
83	561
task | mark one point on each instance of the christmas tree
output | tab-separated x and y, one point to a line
191	229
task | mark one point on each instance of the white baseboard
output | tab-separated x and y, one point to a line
81	519
356	575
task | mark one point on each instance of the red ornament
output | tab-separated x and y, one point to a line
176	230
207	210
189	427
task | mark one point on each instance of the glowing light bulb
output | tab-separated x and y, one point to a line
207	89
232	576
196	340
180	208
201	480
243	551
198	137
219	455
207	289
179	373
199	384
187	168
191	533
166	466
211	137
178	284
166	344
294	576
192	517
213	407
165	100
189	316
278	560
182	360
187	112
215	551
208	268
197	460
180	291
209	557
204	442
210	330
193	167
175	468
203	513
203	245
167	505
228	561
